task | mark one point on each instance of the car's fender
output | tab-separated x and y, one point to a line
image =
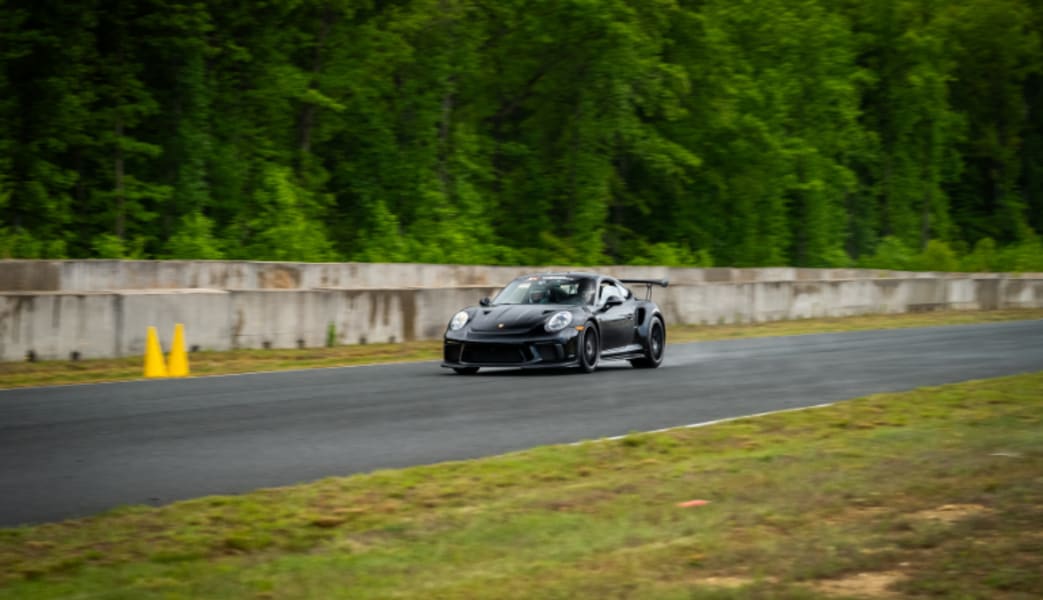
651	311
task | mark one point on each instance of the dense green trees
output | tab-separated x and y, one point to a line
893	133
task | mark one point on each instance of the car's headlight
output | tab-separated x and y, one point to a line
459	320
558	321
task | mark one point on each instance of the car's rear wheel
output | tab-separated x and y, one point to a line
589	349
466	370
654	348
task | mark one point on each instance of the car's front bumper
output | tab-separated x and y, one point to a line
469	349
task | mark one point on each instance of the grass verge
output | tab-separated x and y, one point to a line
26	374
936	492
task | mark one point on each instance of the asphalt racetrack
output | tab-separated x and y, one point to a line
77	450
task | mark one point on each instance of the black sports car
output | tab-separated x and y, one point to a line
558	320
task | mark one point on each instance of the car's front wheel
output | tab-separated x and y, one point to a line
589	349
654	348
466	370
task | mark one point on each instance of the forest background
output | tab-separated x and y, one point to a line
890	133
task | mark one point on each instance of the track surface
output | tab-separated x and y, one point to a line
77	450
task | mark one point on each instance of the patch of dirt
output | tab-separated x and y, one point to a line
950	513
863	585
725	581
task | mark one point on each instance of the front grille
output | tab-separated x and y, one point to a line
493	353
570	348
549	352
451	353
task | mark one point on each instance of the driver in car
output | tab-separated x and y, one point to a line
538	295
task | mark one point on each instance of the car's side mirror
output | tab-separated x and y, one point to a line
485	302
611	301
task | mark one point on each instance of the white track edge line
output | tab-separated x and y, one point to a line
706	423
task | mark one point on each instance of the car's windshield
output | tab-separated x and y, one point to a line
547	289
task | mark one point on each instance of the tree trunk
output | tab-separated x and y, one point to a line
121	200
444	143
307	118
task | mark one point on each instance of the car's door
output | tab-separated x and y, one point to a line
615	314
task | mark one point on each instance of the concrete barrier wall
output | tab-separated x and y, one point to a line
105	324
112	275
53	324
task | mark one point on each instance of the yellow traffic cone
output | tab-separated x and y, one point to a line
155	366
178	357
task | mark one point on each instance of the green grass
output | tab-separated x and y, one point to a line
937	493
24	374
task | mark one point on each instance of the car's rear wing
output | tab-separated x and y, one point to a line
648	283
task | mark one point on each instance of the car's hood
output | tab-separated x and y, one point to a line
512	317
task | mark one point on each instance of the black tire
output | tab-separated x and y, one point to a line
465	370
655	348
589	349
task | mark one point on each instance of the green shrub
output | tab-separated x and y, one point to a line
983	258
1026	255
937	256
891	253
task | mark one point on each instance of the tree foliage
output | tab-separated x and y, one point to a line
897	133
